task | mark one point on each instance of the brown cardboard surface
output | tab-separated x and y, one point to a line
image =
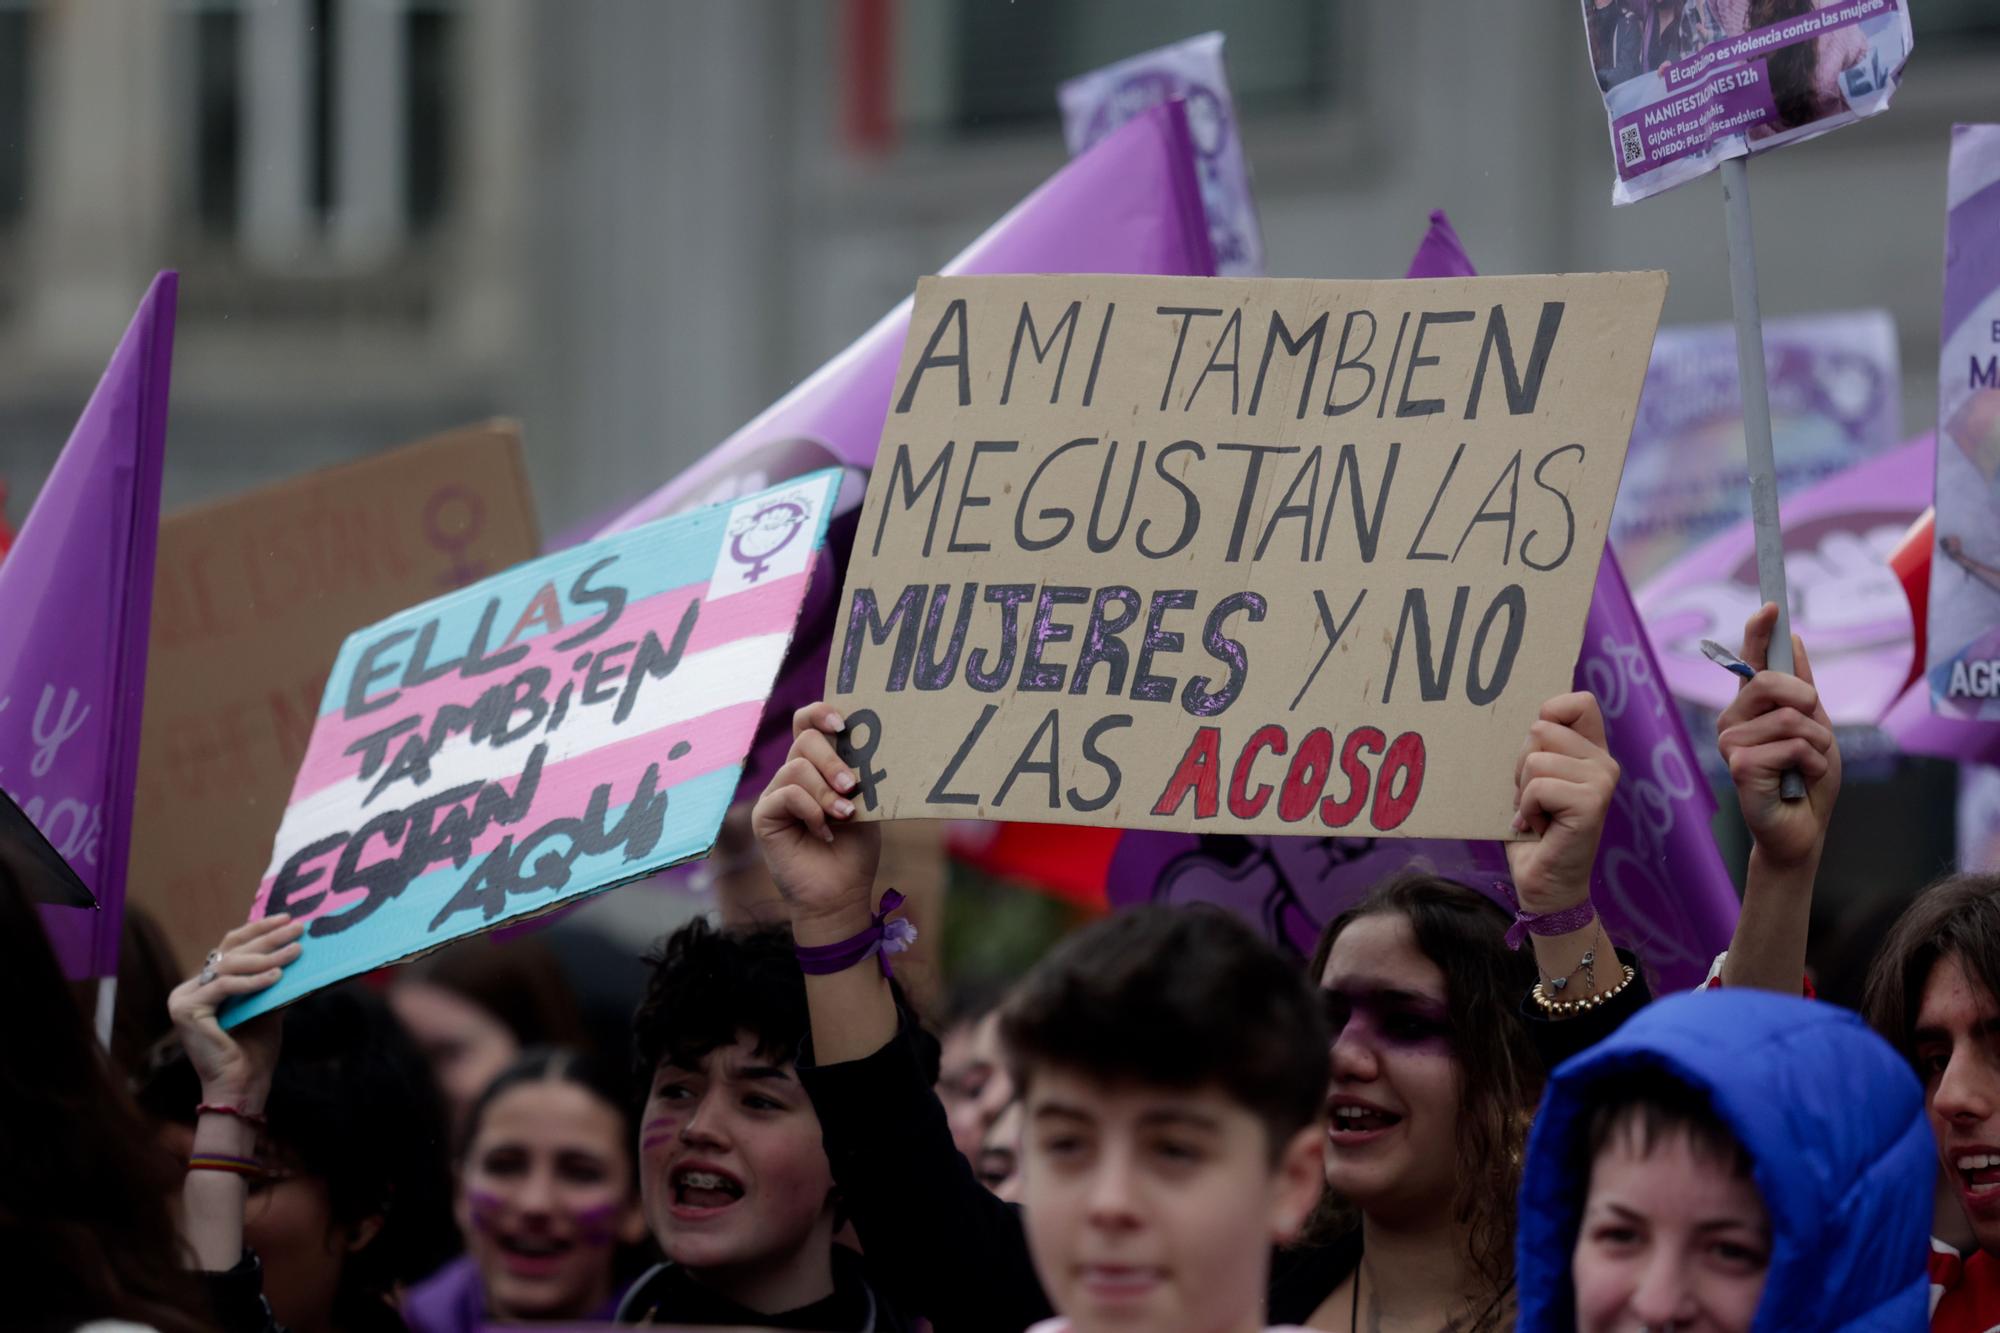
252	598
1280	556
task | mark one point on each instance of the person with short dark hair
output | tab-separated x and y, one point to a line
1932	995
1172	1069
735	1181
1727	1161
548	1200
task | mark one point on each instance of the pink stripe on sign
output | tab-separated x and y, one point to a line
770	609
715	740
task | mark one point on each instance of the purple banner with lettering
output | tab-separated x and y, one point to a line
1687	83
1660	883
1964	666
76	596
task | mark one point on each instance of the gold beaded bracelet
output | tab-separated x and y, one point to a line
1567	1008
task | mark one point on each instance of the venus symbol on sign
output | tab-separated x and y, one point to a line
451	538
764	534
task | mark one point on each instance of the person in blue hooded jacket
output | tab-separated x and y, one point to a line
1730	1160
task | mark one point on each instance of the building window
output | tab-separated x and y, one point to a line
17	23
1954	21
321	129
972	67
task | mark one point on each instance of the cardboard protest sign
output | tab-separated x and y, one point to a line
252	598
1688	83
1964	642
553	731
1233	555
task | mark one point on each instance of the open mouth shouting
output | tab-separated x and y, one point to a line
702	1191
1354	1122
1978	1170
532	1255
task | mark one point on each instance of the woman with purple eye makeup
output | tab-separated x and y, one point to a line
1436	1070
1445	1028
548	1199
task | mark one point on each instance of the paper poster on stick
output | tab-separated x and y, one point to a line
1233	555
1689	83
553	731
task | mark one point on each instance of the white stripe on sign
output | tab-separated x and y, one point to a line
735	673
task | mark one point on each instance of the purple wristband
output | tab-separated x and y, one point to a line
882	938
1542	923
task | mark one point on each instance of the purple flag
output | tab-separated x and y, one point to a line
76	595
1132	204
1660	885
1441	254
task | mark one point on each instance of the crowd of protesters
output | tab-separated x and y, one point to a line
1457	1115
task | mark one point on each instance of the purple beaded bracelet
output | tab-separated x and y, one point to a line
882	938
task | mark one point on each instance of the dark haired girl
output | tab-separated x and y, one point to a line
327	1163
548	1196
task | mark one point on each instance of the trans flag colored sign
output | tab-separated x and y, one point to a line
566	726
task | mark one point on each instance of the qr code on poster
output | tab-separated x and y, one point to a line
1631	148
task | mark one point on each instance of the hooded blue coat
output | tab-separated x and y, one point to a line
1833	1121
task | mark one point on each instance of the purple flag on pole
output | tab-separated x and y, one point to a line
1660	884
76	595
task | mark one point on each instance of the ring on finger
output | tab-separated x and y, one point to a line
207	975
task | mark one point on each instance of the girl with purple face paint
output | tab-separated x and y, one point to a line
1437	1064
548	1200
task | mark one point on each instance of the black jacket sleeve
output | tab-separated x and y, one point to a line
936	1240
236	1298
1557	1039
